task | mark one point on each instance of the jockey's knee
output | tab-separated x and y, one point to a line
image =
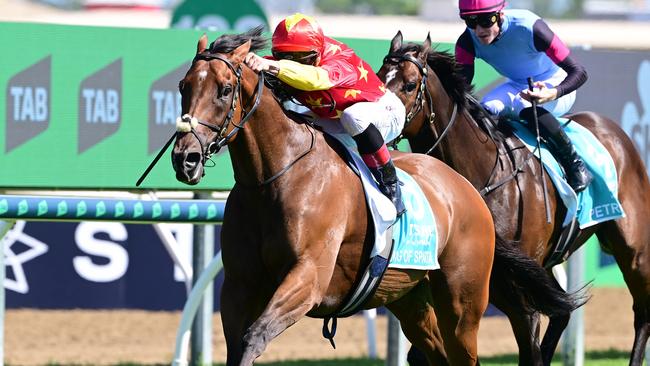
353	125
494	107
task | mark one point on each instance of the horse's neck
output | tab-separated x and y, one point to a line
268	142
466	147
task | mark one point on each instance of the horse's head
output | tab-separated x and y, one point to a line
212	102
405	72
428	82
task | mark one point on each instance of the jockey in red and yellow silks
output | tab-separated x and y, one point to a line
340	80
327	77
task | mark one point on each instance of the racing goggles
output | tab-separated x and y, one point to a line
485	20
306	57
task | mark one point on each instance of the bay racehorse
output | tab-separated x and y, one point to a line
296	229
444	123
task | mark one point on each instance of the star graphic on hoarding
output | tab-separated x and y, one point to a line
16	255
382	88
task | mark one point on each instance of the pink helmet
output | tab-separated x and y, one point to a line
469	7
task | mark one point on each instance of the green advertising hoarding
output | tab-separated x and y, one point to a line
89	107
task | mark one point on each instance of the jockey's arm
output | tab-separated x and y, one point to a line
304	77
465	56
548	42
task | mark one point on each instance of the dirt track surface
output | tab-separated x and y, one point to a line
108	337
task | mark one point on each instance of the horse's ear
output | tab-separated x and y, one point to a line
396	43
426	47
239	53
203	44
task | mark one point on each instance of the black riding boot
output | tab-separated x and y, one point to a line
578	176
389	185
375	154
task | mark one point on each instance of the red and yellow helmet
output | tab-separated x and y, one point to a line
298	33
471	7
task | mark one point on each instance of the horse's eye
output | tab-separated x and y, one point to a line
409	87
181	86
226	91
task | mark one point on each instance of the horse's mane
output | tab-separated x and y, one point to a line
228	42
449	73
447	69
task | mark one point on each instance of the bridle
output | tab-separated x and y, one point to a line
187	123
423	90
394	58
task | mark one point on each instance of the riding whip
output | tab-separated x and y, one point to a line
539	151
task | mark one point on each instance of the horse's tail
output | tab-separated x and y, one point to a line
524	284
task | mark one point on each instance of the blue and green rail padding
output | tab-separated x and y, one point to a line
45	208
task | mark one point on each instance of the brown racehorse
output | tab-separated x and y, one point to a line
486	156
295	233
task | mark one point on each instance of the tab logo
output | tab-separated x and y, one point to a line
100	105
28	103
164	107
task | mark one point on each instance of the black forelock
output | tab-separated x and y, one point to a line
228	42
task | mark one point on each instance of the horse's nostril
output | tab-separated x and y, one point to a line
192	160
194	157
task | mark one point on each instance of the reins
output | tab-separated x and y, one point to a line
187	124
215	147
423	90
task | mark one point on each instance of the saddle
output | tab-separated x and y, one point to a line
598	203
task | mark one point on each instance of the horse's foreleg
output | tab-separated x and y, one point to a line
525	330
556	326
298	293
240	306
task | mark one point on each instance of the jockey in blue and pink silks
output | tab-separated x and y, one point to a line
330	79
519	44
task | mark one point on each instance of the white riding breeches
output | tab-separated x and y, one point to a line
505	100
387	114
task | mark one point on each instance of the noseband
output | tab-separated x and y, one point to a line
418	106
187	123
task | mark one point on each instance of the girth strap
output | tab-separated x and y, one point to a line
366	286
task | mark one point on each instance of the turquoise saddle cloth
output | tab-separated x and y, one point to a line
414	234
599	202
415	238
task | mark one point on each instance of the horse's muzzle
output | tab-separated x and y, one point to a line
188	167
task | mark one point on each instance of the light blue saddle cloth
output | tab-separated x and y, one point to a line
599	202
414	234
